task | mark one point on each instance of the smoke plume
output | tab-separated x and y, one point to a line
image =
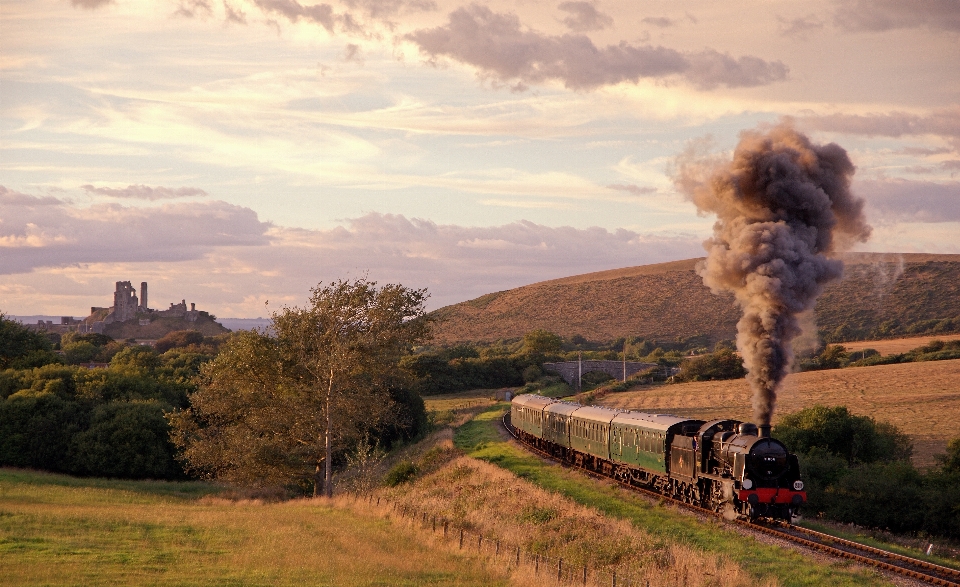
783	207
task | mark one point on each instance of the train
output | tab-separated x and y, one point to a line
734	468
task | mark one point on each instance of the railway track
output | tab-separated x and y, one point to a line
893	562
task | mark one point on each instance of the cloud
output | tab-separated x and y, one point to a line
633	189
944	122
226	252
658	21
799	27
9	197
584	16
321	14
885	15
142	192
501	49
90	4
901	200
383	9
461	262
46	232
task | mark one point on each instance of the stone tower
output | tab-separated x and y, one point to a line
143	296
125	302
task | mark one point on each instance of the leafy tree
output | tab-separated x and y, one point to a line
22	348
724	363
858	439
950	462
275	408
177	339
125	440
541	342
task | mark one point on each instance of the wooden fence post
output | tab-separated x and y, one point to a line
559	569
461	538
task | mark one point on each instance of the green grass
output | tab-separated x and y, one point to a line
875	542
481	439
58	530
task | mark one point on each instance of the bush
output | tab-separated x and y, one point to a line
721	364
128	440
400	473
858	439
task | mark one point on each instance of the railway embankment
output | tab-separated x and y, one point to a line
505	493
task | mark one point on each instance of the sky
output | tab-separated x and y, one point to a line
236	153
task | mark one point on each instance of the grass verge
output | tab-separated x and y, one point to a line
482	439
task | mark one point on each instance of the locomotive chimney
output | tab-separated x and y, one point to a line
764	430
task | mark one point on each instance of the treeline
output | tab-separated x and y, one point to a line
858	470
890	329
105	422
836	356
510	364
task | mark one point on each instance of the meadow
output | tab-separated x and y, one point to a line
922	399
59	530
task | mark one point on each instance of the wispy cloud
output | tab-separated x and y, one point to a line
502	49
885	15
143	192
584	16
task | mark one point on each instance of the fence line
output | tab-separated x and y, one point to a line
513	556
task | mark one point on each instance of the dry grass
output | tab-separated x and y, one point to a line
55	534
462	400
668	300
896	345
922	399
488	500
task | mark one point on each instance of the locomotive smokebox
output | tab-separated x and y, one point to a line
765	431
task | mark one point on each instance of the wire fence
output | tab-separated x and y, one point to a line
511	556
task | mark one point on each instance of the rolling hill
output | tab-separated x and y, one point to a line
880	296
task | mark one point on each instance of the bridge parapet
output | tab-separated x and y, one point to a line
569	370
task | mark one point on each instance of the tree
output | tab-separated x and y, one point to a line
858	439
22	348
541	342
277	407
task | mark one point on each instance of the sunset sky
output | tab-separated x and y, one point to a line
232	152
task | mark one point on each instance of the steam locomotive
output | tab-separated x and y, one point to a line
728	466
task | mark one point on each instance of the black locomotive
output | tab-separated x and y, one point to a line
724	465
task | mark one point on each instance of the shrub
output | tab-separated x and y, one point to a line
721	364
400	473
858	439
125	440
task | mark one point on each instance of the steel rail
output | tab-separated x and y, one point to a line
883	559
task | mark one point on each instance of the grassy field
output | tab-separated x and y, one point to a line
896	345
711	544
57	530
922	399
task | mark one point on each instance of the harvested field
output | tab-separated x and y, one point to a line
896	345
922	399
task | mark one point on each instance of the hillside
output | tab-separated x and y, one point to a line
880	296
158	327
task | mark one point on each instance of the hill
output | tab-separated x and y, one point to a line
880	296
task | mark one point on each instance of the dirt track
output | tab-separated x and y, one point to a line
923	399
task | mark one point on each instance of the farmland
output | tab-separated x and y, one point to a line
922	399
896	345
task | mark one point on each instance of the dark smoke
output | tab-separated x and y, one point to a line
783	207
